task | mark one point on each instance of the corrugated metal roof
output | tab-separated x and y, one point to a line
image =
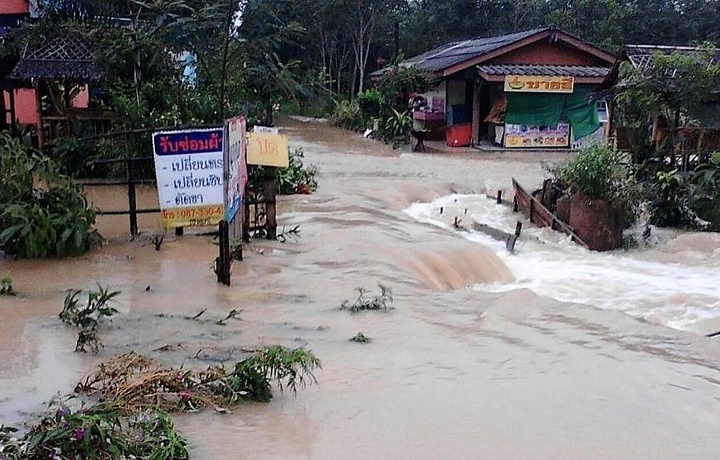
454	53
641	56
545	70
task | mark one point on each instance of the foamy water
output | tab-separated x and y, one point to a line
676	288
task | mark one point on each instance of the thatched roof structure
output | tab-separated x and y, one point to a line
62	58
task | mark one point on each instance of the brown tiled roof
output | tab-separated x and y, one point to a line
545	70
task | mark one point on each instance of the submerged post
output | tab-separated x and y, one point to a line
132	197
223	262
499	197
271	206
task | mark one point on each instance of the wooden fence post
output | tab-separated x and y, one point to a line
223	262
270	206
132	195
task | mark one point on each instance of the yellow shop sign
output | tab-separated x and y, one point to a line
537	84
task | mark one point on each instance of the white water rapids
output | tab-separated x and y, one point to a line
671	280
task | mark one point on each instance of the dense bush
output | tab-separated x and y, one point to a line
397	128
706	200
601	173
42	212
296	178
96	432
347	114
687	199
371	104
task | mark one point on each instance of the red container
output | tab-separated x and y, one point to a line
459	135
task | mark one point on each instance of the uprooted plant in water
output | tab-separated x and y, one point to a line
376	302
137	393
87	317
101	431
141	382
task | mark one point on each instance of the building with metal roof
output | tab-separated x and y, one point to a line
539	79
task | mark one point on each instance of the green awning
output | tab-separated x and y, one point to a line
544	109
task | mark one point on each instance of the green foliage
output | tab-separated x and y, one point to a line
377	302
602	173
706	200
669	200
140	382
370	103
348	115
689	199
92	312
399	82
290	369
132	422
97	432
397	127
88	317
676	82
42	212
297	178
597	171
6	287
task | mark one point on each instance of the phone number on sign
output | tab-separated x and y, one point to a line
199	214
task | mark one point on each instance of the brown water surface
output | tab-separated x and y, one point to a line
452	372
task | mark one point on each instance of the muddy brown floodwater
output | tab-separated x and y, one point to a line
452	372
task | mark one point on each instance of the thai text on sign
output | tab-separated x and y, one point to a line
237	175
268	150
189	171
537	84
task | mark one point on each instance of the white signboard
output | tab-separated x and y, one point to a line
189	169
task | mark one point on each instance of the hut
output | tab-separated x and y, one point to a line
12	14
59	72
522	90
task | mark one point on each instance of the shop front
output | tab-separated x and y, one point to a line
542	112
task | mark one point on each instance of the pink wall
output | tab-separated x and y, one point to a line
24	106
82	99
13	6
25	109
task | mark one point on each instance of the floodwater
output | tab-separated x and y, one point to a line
550	353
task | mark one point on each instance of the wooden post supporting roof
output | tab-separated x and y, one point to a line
476	113
38	108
